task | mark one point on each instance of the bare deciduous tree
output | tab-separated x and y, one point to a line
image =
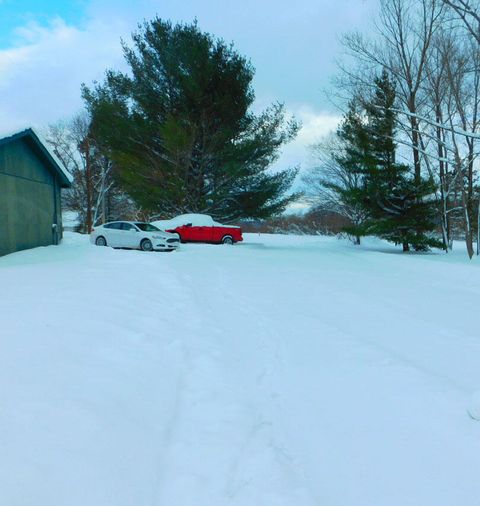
469	12
94	195
436	68
463	75
405	31
326	183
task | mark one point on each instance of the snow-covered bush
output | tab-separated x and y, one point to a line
315	222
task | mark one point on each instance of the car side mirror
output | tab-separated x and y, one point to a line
188	224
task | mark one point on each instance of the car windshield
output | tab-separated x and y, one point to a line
147	227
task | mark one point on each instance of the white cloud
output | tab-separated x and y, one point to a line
315	126
40	78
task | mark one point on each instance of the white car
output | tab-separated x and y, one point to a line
135	235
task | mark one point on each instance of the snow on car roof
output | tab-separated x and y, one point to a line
197	220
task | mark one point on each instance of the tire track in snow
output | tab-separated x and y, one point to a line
180	300
264	435
232	410
267	428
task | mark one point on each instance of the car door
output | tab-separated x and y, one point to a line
196	232
120	235
129	236
204	225
199	233
192	231
112	234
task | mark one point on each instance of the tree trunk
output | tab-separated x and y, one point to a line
406	247
415	148
443	180
470	251
468	226
104	209
478	228
88	186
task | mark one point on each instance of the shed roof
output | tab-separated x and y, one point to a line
53	161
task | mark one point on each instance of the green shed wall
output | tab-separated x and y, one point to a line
29	198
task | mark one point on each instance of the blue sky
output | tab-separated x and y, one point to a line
15	13
49	47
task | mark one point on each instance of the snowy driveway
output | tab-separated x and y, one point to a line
284	371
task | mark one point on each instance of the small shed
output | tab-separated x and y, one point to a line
31	178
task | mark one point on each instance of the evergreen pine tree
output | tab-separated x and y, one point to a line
398	207
357	164
401	208
180	129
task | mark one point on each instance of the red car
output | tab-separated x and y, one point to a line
201	228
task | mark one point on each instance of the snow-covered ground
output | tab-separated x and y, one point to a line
285	371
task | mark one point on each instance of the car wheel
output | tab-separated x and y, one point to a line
146	245
100	241
228	239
